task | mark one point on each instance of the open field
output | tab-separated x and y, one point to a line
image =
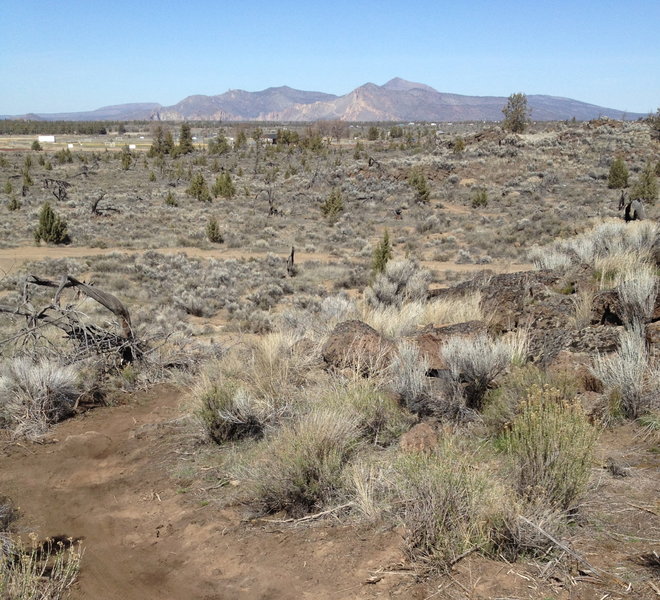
449	422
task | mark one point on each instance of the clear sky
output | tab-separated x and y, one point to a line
70	55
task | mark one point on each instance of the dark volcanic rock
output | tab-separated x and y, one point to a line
430	339
354	344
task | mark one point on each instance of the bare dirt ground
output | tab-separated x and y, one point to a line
12	258
107	476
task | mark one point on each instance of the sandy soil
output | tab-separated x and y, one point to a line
107	476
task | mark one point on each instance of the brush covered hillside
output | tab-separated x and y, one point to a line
396	100
423	363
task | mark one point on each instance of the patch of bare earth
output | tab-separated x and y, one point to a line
108	476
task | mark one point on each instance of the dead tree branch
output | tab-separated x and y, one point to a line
58	187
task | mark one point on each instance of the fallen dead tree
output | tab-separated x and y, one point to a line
89	337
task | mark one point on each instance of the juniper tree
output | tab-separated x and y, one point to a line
198	188
333	205
618	176
516	113
646	187
51	229
213	232
185	140
417	180
382	254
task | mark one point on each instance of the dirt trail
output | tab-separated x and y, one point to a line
13	258
106	476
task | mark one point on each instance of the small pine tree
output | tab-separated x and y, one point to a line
213	232
36	146
382	254
126	158
198	188
219	145
51	229
646	188
618	176
224	186
417	180
185	140
372	133
333	205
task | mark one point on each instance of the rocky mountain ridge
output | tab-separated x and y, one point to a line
396	100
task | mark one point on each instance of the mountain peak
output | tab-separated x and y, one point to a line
401	85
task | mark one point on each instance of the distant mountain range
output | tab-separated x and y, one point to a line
397	100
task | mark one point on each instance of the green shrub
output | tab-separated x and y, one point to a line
300	469
382	254
333	205
479	198
64	156
516	113
51	229
224	186
198	188
213	232
618	176
446	505
170	200
417	180
646	187
36	146
503	403
228	413
14	203
378	416
458	145
550	444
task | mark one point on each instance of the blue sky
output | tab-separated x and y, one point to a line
79	55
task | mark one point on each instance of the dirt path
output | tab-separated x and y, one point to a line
13	258
106	476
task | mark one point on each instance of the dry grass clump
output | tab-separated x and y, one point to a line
394	320
476	362
629	376
448	311
611	247
300	465
401	281
379	417
446	505
550	444
40	571
227	412
407	376
35	394
637	292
